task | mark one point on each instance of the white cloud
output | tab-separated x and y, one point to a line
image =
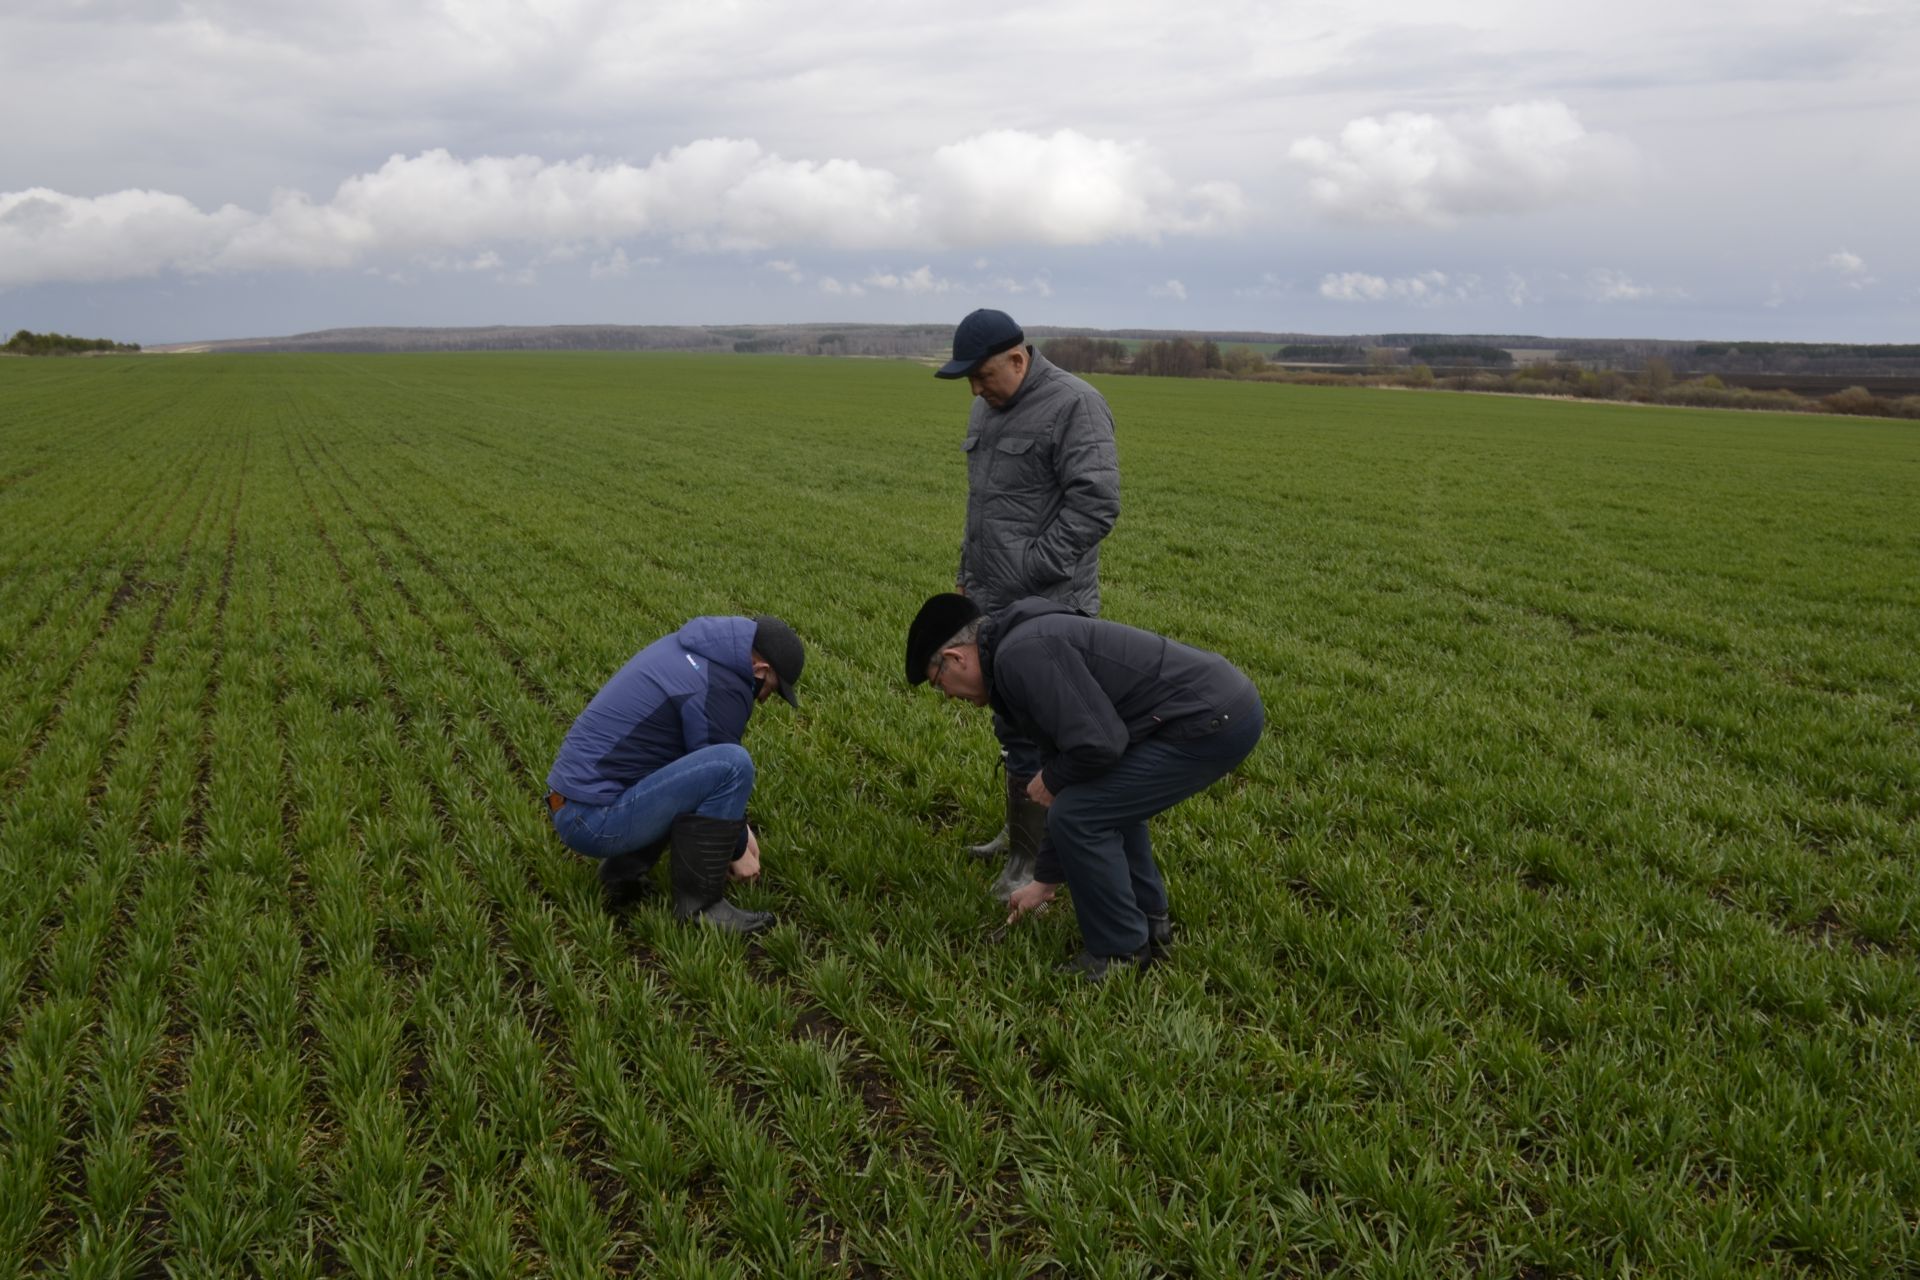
618	265
1271	285
829	285
714	194
1604	284
1519	291
921	280
1411	167
45	235
1039	286
791	270
1852	268
1064	189
1171	289
1429	288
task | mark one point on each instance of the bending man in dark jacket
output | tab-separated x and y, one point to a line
656	759
1128	723
1043	488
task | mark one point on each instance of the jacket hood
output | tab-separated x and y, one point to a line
997	625
725	642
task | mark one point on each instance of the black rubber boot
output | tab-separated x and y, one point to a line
1094	968
1026	828
628	878
702	850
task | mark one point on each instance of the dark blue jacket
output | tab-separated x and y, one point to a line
1085	689
685	691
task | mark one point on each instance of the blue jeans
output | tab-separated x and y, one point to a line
1098	828
713	782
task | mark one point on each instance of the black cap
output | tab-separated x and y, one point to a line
774	640
937	622
983	334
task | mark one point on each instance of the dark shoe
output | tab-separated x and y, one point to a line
1096	968
703	848
1026	828
991	849
1159	934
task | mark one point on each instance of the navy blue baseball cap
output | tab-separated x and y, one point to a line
982	335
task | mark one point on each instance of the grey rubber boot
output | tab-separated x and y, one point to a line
1026	828
702	850
991	849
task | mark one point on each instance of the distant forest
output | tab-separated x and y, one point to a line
27	343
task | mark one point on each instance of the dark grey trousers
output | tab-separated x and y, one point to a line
1099	828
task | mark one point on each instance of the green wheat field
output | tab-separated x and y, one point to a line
1566	922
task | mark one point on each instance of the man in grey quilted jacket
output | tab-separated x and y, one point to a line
1043	488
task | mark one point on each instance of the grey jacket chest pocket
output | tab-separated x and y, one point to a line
1020	462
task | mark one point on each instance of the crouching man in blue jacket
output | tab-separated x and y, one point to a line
655	761
1128	723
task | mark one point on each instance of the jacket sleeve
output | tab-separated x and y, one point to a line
1052	686
694	730
1087	467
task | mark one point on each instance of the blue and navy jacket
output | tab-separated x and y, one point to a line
685	691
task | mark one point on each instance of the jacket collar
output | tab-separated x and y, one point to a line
1037	367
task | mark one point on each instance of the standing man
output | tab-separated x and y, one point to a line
1127	723
655	760
1043	488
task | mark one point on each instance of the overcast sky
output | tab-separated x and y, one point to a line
174	170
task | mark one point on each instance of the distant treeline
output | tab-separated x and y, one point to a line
1811	350
1172	358
1458	353
1322	352
27	343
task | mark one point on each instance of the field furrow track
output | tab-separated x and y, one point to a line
1564	924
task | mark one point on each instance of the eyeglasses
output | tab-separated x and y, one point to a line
939	669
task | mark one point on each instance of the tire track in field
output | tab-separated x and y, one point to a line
13	478
167	1068
118	878
124	515
810	1020
55	885
512	986
132	585
529	684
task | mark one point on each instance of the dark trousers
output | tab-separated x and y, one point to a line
1098	828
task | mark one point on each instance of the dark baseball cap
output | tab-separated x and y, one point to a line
983	334
938	621
774	640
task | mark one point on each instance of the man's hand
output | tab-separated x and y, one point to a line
747	865
1038	793
1031	896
